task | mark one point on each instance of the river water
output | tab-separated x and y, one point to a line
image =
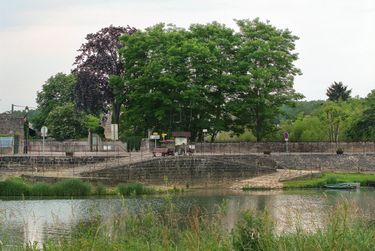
31	220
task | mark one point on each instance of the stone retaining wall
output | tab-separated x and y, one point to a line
27	163
192	170
300	147
324	162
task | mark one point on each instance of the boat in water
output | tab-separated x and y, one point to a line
343	186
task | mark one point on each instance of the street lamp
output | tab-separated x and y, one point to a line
26	130
204	131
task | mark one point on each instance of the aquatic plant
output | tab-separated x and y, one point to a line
133	189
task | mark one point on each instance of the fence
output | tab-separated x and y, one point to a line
105	148
9	146
282	147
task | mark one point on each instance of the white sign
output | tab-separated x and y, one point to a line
44	131
155	137
114	131
180	141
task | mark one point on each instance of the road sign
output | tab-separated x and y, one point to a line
44	131
155	137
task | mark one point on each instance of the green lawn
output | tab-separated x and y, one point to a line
331	178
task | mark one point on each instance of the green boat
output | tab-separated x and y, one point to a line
343	186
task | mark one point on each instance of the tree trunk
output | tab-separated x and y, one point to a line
116	113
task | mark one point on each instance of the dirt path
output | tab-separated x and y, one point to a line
271	181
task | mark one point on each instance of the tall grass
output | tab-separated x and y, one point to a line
133	189
331	178
70	187
197	230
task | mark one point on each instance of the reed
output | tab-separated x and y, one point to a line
198	230
16	186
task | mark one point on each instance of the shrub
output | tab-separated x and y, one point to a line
72	187
133	189
14	187
331	180
41	189
339	151
100	189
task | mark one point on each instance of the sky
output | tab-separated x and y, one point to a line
39	38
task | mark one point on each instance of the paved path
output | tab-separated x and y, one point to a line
271	181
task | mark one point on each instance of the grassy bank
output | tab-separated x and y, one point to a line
72	187
345	229
330	178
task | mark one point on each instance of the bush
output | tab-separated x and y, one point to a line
339	151
14	187
72	187
41	189
132	142
133	189
331	180
100	189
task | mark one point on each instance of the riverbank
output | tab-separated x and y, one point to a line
16	186
273	180
365	179
345	229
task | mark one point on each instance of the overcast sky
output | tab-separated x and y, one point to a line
39	38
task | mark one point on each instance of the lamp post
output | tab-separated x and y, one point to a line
26	130
204	131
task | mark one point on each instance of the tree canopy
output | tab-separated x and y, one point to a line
338	91
98	60
57	90
208	77
364	127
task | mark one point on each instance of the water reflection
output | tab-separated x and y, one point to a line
32	221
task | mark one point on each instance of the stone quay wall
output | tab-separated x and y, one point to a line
28	163
281	147
192	170
326	162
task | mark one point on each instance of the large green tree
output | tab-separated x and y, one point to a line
338	91
57	90
178	78
208	77
98	59
364	127
265	74
64	122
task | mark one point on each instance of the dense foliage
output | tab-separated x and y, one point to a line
208	77
338	91
236	84
57	110
363	127
97	61
57	90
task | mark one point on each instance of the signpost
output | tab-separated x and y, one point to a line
44	131
286	138
155	136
